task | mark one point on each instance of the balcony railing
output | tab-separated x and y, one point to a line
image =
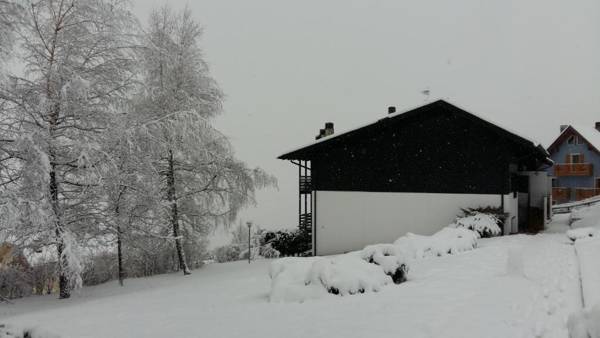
561	194
573	169
583	193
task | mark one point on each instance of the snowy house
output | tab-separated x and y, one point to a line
576	174
413	172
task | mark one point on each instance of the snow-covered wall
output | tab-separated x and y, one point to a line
349	220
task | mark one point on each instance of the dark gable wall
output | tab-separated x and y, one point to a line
438	152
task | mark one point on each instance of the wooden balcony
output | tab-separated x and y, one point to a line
561	194
573	169
583	193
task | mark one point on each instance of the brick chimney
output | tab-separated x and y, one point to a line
391	109
563	127
597	125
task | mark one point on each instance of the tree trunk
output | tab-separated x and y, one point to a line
119	237
171	196
63	265
120	256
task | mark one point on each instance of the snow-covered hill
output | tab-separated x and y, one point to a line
480	293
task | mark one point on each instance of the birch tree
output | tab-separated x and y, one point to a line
78	65
9	11
202	183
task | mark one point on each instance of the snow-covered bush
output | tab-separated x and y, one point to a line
227	253
486	224
445	242
368	270
580	233
288	242
100	269
267	251
347	275
391	260
14	282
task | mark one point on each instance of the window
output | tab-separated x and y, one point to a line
576	158
572	139
597	182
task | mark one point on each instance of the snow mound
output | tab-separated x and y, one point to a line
368	270
485	225
588	216
288	280
585	324
580	233
347	275
445	242
389	258
7	331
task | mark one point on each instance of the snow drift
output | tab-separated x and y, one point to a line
580	233
368	270
7	331
445	242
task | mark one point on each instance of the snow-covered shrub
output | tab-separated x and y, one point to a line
15	283
267	251
288	242
391	260
347	275
445	242
579	233
100	269
368	270
227	253
486	224
15	272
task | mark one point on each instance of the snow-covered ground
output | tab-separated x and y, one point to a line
486	292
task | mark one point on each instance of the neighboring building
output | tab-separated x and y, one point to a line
413	172
576	172
10	256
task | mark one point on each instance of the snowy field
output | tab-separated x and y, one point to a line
472	294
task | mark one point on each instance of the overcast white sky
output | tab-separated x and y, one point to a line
289	66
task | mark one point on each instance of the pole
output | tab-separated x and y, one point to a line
249	224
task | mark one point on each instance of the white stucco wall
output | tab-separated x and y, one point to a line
538	187
347	221
511	206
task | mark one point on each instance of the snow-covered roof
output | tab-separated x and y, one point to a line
589	133
400	114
